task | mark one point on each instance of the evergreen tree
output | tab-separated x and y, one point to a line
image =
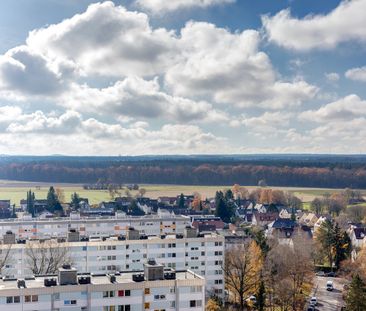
14	214
229	195
75	200
224	209
30	203
356	296
181	202
293	214
335	243
135	210
260	238
52	201
261	297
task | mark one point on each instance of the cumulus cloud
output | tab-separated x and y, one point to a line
344	23
23	130
162	6
135	97
357	74
349	107
26	72
107	40
229	68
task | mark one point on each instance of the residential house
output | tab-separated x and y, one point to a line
263	219
308	219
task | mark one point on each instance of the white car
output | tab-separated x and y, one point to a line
330	286
313	301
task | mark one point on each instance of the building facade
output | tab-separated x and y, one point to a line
202	254
151	290
33	228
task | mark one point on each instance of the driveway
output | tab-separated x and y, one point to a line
328	301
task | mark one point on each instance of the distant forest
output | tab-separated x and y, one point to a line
330	171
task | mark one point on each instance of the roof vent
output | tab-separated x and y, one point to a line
50	282
21	283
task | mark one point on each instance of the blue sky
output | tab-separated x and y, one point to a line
182	77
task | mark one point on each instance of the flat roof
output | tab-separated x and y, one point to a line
96	279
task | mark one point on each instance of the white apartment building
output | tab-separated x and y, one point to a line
155	289
202	254
33	228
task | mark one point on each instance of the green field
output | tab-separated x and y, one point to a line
15	191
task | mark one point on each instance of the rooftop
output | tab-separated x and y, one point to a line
95	279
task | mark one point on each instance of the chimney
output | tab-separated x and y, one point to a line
9	237
190	232
73	236
153	271
67	275
132	234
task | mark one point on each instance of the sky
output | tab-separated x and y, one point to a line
137	77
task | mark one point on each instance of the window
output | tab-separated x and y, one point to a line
29	298
218	281
70	302
108	294
9	299
172	304
195	303
121	293
159	297
147	291
16	299
127	293
147	305
202	253
124	308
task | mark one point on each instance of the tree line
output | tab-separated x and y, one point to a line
188	172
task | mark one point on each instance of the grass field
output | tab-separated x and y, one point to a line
15	191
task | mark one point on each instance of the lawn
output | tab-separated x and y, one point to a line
15	191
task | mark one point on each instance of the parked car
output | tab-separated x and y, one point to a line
313	301
320	273
330	274
311	308
330	286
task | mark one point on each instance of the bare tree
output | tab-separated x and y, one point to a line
60	195
5	255
290	271
47	256
242	269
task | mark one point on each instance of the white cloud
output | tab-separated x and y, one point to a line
229	68
344	23
332	76
162	6
357	74
107	40
69	133
25	72
347	108
135	97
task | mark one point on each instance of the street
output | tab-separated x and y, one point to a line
328	300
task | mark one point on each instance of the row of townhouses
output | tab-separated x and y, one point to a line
153	289
201	253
